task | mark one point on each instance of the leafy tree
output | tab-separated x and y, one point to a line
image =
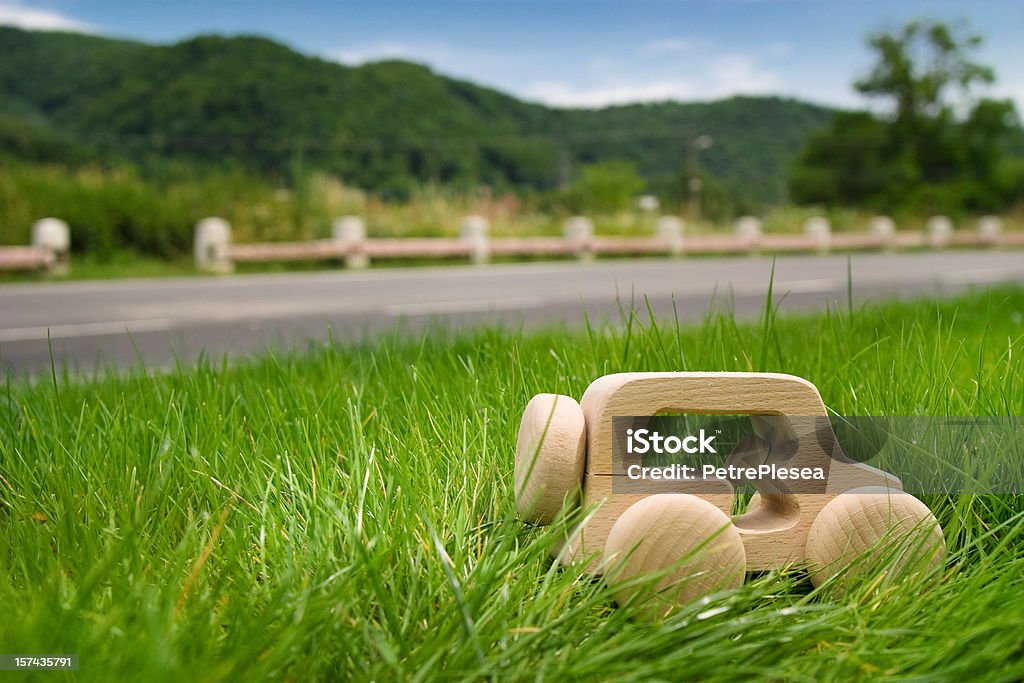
918	65
607	186
935	148
852	162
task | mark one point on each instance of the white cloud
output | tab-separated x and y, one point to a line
17	14
565	95
779	49
434	55
719	76
736	73
670	45
1009	90
673	69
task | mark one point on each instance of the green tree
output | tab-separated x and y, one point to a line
852	162
936	146
919	65
606	186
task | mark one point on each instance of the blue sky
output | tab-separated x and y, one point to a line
574	52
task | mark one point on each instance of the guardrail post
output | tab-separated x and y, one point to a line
474	229
884	228
940	230
54	236
210	245
670	229
350	232
989	229
578	232
748	231
819	230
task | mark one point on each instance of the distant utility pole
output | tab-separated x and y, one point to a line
564	166
694	182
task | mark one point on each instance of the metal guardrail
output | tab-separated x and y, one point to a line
50	249
215	252
25	258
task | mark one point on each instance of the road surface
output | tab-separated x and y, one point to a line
92	325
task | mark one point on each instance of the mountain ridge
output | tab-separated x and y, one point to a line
384	125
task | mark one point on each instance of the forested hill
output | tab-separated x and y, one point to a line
382	126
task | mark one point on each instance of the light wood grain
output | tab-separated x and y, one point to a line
587	542
877	520
687	536
774	533
549	457
708	393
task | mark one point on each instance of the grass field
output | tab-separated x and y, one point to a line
346	512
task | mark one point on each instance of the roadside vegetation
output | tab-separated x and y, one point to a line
345	511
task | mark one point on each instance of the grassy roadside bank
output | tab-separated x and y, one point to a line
346	512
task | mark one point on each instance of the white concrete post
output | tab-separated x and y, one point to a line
748	230
990	228
940	230
648	203
884	228
578	232
474	229
819	230
210	245
53	235
350	232
670	229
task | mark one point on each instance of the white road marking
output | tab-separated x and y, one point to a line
979	276
85	329
826	284
462	306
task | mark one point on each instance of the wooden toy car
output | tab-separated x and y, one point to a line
564	455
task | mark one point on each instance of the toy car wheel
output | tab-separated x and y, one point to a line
864	526
550	454
685	537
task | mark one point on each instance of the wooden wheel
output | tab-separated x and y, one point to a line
683	535
550	454
867	523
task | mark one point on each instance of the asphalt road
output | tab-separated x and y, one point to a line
119	323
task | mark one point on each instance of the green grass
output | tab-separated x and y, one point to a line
346	512
123	266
